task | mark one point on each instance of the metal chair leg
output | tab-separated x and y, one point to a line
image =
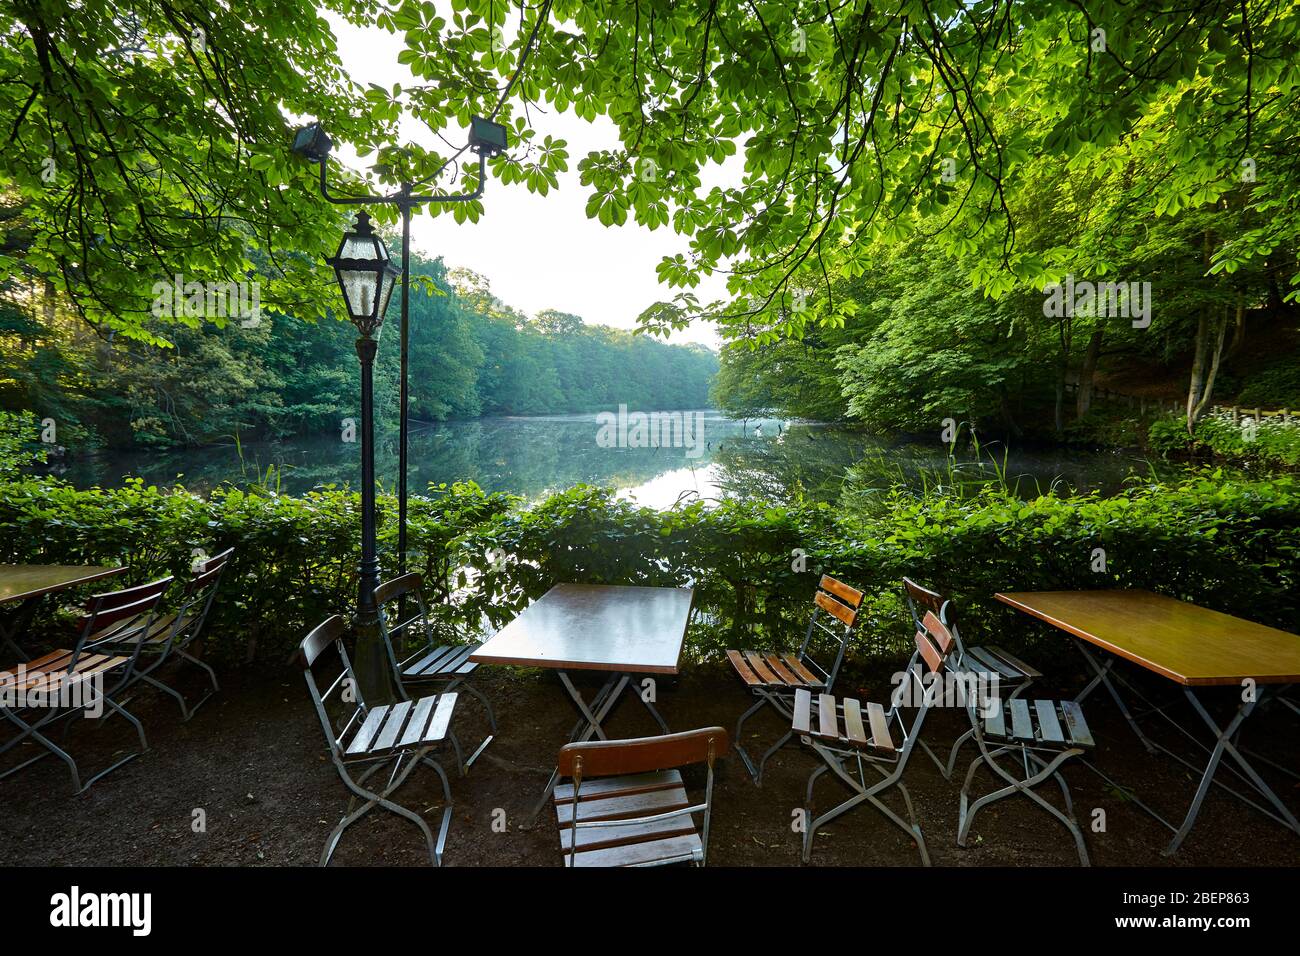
788	736
171	692
1024	786
736	738
864	793
380	799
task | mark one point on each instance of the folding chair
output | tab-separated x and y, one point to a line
60	685
642	816
988	666
399	735
1041	738
174	633
884	743
442	668
775	677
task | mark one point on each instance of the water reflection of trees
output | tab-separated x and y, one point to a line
533	457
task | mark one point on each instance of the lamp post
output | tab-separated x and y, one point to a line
366	277
486	138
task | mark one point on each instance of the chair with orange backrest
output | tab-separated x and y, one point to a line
627	805
92	677
774	678
173	634
988	667
850	736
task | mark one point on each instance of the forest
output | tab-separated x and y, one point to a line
471	355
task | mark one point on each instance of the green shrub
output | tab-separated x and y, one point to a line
20	445
1227	542
1273	388
1269	440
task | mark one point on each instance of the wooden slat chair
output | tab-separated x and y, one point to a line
82	681
775	677
174	633
1041	735
399	736
848	734
988	666
636	812
428	664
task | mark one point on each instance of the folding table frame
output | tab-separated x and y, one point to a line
589	724
1224	743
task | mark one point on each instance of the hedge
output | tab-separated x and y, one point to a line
1225	541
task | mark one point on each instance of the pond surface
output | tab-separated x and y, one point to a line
715	456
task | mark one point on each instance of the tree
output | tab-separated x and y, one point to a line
149	140
856	122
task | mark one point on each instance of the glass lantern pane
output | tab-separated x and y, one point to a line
386	291
359	289
359	247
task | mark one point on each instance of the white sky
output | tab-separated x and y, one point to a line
538	252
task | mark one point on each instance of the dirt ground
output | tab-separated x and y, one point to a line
254	761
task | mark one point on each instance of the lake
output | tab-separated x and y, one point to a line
772	458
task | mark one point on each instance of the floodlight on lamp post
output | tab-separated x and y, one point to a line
486	138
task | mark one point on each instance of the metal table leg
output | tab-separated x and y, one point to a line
16	624
1223	743
603	703
1102	676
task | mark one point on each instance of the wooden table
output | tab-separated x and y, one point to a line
1192	646
26	584
624	631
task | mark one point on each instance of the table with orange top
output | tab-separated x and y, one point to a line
1199	650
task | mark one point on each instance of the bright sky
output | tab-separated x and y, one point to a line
538	252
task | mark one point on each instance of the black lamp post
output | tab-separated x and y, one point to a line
366	276
486	138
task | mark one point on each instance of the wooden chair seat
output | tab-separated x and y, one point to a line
48	673
995	661
846	722
441	662
133	632
402	726
637	843
1046	723
765	669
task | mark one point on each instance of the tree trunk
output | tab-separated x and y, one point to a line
1087	372
1238	327
1205	365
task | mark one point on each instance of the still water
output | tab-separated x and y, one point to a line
771	458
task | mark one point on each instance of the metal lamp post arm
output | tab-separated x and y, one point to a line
403	198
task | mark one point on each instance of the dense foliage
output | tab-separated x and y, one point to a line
870	172
1230	543
469	353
